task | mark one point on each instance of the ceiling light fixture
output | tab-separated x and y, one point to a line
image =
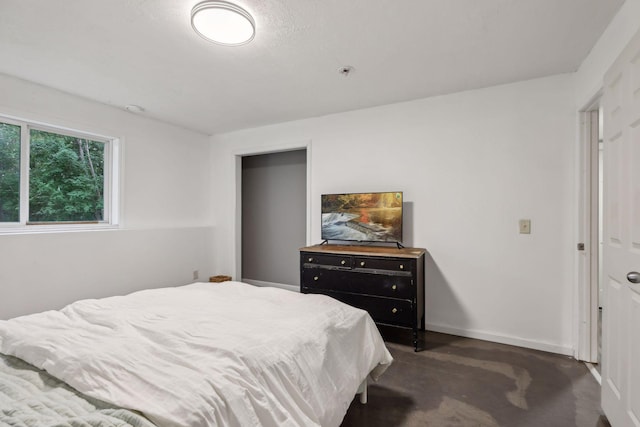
223	23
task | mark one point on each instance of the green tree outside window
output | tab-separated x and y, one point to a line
66	178
9	173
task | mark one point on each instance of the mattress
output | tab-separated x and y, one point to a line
227	354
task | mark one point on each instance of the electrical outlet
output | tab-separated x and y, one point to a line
196	274
525	226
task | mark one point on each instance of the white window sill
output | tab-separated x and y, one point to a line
54	228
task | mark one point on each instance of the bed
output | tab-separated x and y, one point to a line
227	354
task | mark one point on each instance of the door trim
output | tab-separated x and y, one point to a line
586	348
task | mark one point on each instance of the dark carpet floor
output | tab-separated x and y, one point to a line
458	381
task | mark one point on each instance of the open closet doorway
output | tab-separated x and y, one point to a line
274	217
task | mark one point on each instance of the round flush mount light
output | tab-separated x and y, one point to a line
223	23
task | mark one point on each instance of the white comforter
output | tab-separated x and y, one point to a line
226	354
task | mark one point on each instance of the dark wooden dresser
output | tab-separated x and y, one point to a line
385	281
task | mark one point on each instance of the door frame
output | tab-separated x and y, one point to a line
586	320
237	218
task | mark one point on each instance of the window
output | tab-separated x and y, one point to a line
55	178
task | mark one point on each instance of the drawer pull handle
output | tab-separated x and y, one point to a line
310	259
394	311
394	287
401	266
361	263
343	262
315	278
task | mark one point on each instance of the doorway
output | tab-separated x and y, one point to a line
273	217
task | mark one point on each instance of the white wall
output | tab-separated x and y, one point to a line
471	165
166	228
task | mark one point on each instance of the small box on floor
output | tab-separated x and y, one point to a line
219	278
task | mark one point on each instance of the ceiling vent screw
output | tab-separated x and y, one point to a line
346	70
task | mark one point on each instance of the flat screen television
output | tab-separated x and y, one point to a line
362	217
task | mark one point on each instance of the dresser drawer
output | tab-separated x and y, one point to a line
384	285
322	278
328	260
383	310
398	264
394	286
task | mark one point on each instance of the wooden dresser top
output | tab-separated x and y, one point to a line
366	250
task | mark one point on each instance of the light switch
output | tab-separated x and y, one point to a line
525	226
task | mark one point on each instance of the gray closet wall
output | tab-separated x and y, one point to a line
274	194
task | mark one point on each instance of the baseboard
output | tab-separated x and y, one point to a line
292	288
502	339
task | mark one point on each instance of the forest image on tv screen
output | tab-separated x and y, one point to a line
373	217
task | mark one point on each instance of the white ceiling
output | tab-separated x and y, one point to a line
145	52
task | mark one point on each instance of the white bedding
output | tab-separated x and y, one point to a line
227	354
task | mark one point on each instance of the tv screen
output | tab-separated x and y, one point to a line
362	217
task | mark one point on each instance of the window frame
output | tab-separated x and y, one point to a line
111	193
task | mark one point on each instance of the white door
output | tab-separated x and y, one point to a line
621	246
